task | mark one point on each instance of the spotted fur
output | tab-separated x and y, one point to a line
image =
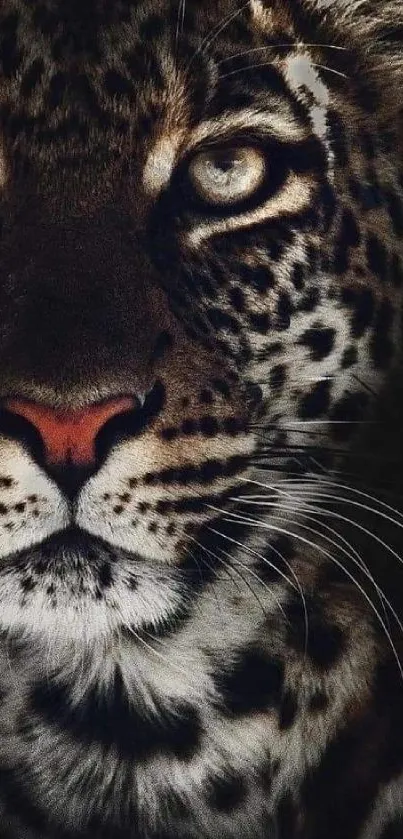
201	632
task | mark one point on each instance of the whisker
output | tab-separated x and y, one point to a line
261	64
297	586
181	20
228	568
275	528
354	556
246	568
294	47
212	36
345	520
160	656
319	482
330	70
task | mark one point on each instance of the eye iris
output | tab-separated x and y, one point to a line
227	176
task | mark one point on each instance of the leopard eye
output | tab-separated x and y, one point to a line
227	176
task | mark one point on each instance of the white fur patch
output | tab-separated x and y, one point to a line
306	83
161	163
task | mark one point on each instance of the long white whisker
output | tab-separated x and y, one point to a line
293	47
276	529
158	655
354	556
330	70
323	482
228	568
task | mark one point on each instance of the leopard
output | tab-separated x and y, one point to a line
201	282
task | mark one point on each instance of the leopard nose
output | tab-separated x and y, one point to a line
69	437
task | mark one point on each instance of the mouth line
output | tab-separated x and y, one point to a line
71	540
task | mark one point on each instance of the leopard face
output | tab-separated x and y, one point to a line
199	273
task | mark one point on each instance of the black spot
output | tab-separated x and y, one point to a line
209	426
318	702
362	304
226	794
17	800
288	710
275	565
105	578
222	387
348	237
298	276
309	300
377	257
261	279
329	205
57	87
312	632
206	397
382	341
151	27
284	310
278	378
367	195
222	320
189	427
267	772
254	683
113	720
396	271
144	506
116	84
32	77
349	358
260	323
338	138
368	145
350	231
395	207
346	413
10	55
233	426
316	402
27	584
320	340
169	434
237	298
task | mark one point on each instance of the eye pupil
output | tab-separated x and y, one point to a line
225	162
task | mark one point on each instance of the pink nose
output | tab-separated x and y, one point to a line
69	436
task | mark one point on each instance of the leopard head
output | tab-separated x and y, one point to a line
184	283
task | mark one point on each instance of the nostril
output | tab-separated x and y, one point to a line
131	423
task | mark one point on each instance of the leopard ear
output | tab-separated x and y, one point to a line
271	16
